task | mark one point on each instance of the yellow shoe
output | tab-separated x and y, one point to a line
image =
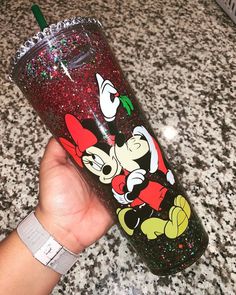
121	217
181	202
177	224
153	227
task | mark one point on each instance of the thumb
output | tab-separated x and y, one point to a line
54	154
116	102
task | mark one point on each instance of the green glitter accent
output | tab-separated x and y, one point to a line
52	48
63	41
44	74
127	104
65	62
29	69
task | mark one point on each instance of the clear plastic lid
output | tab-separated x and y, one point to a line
47	32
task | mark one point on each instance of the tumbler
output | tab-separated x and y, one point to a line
74	82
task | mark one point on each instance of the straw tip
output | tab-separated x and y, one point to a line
39	16
34	7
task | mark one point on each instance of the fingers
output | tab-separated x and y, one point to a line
105	85
54	152
133	182
170	177
135	178
141	171
99	80
108	87
138	180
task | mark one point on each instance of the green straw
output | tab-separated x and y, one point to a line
39	16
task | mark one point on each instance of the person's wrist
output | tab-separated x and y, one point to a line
61	235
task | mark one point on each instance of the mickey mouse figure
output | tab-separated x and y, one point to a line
124	165
137	156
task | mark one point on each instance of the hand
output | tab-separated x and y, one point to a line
170	177
121	198
68	208
136	177
106	93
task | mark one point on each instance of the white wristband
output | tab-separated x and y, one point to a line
44	247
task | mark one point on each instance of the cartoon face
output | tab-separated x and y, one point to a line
102	164
133	149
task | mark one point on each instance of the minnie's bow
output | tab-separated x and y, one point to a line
82	137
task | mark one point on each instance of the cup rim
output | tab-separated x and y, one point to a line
47	33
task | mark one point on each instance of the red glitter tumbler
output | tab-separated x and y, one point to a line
72	79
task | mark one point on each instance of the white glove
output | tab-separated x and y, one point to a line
106	92
170	177
121	198
135	177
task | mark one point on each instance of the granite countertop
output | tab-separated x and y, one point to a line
179	57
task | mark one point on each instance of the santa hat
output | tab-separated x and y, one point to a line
82	137
156	162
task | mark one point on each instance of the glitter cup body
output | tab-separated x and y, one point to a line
75	84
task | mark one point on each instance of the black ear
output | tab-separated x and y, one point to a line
145	161
120	139
92	126
103	146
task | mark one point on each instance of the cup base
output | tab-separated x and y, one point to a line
183	265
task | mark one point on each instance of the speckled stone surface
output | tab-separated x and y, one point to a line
179	57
